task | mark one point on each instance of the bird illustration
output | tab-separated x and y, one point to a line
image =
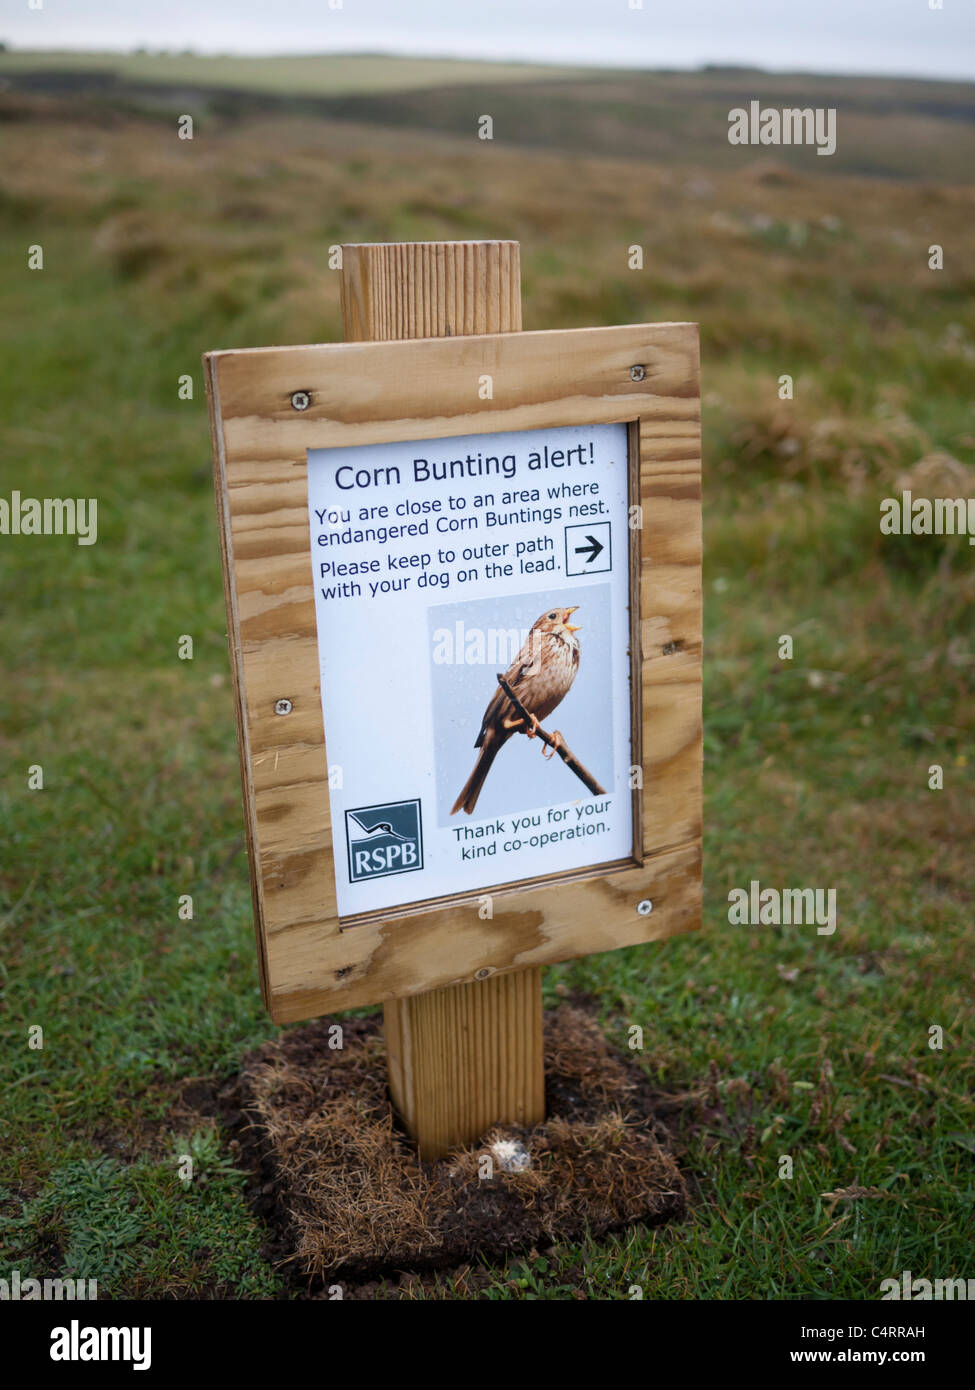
382	827
540	675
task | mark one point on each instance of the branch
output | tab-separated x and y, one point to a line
568	758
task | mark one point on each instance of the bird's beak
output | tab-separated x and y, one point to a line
570	627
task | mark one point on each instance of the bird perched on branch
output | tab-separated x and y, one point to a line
540	676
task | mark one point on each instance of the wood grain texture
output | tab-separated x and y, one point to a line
459	1060
427	388
430	289
463	1059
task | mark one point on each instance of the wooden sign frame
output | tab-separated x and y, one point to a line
269	406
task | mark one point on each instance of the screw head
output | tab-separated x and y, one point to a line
483	973
645	908
282	707
301	400
637	373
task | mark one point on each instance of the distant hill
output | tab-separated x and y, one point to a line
888	127
327	74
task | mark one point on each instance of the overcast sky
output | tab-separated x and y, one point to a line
894	36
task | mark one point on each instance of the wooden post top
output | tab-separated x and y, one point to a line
430	289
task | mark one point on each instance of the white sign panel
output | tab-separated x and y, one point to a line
438	566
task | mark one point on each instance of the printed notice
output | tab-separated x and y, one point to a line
441	566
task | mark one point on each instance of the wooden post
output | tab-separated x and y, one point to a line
461	1059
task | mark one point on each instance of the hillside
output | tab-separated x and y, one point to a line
889	127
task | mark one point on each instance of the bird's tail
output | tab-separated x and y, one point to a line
472	787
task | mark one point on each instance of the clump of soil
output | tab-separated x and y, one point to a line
345	1193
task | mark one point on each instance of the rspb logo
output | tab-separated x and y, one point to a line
384	840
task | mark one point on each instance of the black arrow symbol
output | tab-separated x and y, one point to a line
593	549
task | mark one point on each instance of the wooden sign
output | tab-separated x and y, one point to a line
463	581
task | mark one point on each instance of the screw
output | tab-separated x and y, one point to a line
645	908
282	707
483	973
637	373
301	400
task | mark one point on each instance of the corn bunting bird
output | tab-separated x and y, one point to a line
540	676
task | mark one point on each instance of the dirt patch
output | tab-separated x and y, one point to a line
342	1190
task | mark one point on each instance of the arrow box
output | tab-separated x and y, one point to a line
588	548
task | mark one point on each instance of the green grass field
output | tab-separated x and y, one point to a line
323	74
769	1041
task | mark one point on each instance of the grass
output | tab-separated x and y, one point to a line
779	1041
141	1231
319	74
